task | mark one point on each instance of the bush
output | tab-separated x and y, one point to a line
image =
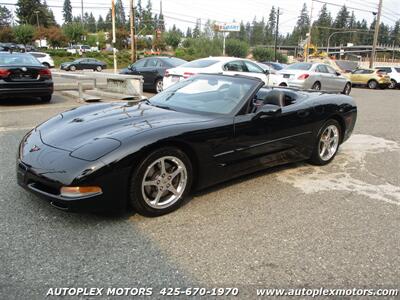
24	34
236	48
268	54
195	48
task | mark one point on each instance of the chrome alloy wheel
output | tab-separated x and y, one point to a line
329	142
159	86
164	182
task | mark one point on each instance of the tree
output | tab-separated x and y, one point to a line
321	26
90	22
257	33
67	11
120	18
270	28
6	34
173	37
5	16
267	54
196	30
395	34
24	33
302	26
74	31
30	11
101	25
188	32
236	48
341	21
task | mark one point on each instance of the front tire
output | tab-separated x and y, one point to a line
327	143
72	68
372	84
99	68
161	182
347	89
158	86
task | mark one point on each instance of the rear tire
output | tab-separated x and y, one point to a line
372	84
46	64
316	86
329	138
393	84
161	182
158	86
46	99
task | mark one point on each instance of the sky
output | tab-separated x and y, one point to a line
184	13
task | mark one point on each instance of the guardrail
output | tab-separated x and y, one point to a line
131	85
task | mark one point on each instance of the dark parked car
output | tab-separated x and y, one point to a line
153	69
21	74
198	132
84	64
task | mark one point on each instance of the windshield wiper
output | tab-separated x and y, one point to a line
163	107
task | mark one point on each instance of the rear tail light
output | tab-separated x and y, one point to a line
166	73
188	74
4	73
303	76
45	73
380	74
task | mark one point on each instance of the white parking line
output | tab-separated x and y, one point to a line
38	107
7	129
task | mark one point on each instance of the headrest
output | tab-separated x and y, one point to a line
275	97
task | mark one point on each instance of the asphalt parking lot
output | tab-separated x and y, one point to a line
293	226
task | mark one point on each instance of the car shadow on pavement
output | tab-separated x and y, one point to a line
21	101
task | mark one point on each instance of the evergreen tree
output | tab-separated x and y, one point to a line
395	34
5	16
302	26
188	32
101	25
67	11
120	18
270	28
90	23
196	30
257	32
341	22
320	34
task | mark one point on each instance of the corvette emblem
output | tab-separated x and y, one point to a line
24	69
34	149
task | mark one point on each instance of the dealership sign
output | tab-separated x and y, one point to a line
227	27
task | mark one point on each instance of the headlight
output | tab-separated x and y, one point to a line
96	149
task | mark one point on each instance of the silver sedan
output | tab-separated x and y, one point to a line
316	76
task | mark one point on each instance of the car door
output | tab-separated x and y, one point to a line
273	140
337	80
137	69
234	67
324	77
356	77
84	64
150	70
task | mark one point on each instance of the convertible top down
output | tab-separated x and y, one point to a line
201	131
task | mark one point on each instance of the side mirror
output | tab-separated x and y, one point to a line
268	110
338	74
266	72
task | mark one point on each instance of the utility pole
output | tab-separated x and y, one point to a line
114	37
82	12
309	33
276	34
377	24
132	21
37	18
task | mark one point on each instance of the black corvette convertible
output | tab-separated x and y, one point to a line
201	131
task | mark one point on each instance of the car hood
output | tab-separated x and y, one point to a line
112	123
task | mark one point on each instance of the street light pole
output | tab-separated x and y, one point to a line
333	33
377	24
276	35
309	33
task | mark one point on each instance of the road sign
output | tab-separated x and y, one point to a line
227	27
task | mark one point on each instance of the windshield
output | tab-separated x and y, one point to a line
200	63
299	66
18	59
206	94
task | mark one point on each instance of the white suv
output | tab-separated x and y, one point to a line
394	73
44	58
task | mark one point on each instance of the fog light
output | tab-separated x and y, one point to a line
79	191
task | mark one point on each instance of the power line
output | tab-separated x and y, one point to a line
339	5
